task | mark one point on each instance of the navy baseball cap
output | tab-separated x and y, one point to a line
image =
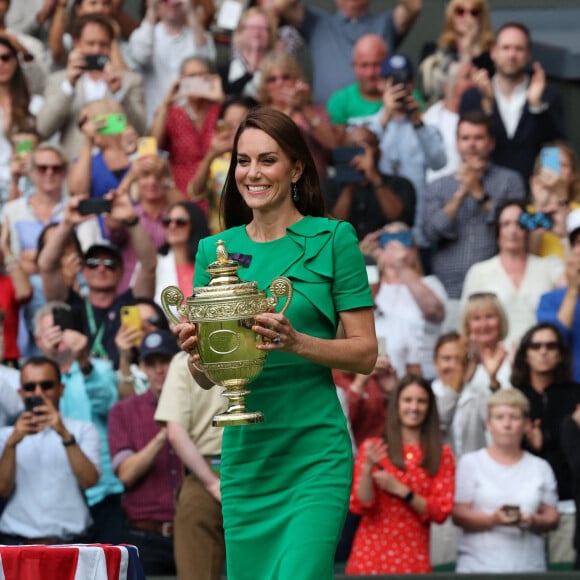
160	342
397	62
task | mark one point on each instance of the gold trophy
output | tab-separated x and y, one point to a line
224	312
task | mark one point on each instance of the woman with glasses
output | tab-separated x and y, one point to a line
467	36
284	88
185	225
542	372
505	498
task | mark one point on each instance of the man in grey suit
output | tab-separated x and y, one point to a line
88	76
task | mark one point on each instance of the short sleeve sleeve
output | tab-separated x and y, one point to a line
465	479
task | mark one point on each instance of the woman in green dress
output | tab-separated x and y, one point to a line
285	482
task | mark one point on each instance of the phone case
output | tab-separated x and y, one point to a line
146	146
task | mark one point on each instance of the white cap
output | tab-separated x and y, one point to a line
573	221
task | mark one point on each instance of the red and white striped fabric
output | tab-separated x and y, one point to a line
70	562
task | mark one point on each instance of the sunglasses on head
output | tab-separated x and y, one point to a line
461	11
94	263
272	79
179	222
6	57
550	345
30	387
47	168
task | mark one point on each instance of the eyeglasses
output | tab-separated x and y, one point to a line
6	57
272	79
30	387
47	168
153	320
94	263
179	222
550	345
461	11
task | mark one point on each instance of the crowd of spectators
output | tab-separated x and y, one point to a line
115	140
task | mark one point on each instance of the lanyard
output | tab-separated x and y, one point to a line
97	348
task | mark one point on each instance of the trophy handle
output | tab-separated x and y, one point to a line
172	296
279	287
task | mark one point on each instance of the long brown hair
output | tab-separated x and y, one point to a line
281	128
431	439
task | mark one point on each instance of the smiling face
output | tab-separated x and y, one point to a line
264	173
512	237
413	406
484	326
448	359
368	56
177	226
466	17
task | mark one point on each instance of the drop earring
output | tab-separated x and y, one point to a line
295	195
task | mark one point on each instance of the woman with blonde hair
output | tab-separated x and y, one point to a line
283	87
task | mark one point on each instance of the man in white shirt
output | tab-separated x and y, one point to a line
169	34
46	463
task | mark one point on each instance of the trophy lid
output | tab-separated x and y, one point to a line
223	271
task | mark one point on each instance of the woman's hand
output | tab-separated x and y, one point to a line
278	333
389	483
126	338
492	360
375	451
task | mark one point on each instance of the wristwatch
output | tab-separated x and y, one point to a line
69	442
408	498
484	198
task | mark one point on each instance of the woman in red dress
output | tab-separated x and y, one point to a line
402	482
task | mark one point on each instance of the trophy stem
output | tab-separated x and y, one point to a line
236	413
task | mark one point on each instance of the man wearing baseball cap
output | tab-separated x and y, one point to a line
561	306
145	462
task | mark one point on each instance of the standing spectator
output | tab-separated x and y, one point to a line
187	410
144	461
331	37
352	104
47	462
169	33
517	277
69	90
505	498
525	112
402	482
561	307
459	209
542	372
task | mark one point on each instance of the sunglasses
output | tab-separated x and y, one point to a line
94	263
47	168
44	385
272	79
153	320
475	12
180	222
550	345
6	57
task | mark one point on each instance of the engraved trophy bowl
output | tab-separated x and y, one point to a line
224	312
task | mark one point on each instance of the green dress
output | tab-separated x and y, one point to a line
285	483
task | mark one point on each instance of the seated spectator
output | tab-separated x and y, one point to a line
48	453
542	372
184	125
409	306
90	390
185	225
255	36
517	277
331	37
408	147
102	270
444	114
144	461
210	176
283	87
466	38
351	105
169	34
459	209
402	481
373	199
69	90
538	118
505	498
561	306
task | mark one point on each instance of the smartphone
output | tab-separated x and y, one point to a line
130	318
68	318
196	86
550	158
532	221
400	77
31	402
344	171
512	511
146	146
405	237
96	61
113	124
94	205
23	146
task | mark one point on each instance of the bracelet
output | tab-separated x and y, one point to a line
125	379
71	441
408	498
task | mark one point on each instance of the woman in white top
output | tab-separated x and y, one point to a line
517	277
410	306
505	497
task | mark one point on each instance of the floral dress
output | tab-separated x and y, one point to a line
392	538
